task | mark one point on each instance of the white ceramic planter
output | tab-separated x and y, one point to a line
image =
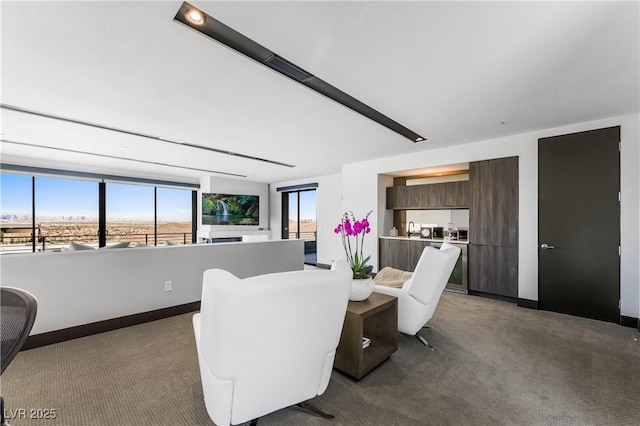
361	289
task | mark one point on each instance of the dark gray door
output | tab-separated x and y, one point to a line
579	224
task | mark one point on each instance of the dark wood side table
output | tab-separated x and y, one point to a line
375	318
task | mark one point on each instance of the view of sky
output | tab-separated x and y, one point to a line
68	197
307	205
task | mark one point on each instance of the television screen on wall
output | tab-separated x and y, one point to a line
227	209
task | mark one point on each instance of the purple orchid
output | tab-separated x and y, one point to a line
350	227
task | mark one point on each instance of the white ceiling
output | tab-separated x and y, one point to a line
450	71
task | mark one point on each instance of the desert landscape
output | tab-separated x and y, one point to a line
55	235
307	229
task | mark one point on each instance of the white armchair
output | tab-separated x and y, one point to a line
268	342
419	296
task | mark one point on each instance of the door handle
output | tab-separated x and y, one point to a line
546	246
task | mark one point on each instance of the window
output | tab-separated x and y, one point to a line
293	215
173	215
308	215
16	220
89	212
299	220
66	210
130	214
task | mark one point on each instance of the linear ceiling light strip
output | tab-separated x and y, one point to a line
155	163
220	32
43	171
138	134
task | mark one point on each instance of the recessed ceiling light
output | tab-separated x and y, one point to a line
194	16
124	148
419	139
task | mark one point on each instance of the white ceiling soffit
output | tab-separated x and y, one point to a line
432	171
451	71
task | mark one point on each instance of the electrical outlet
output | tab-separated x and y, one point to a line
168	285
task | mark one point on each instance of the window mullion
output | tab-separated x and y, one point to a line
33	214
102	214
155	215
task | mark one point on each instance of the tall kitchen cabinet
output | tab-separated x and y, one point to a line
493	226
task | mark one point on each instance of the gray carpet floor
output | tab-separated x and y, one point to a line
495	364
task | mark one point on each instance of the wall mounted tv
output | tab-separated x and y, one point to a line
227	209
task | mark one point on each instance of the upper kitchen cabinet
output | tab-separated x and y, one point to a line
445	195
493	209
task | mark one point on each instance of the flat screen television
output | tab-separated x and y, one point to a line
229	209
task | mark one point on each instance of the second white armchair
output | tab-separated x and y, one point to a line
419	296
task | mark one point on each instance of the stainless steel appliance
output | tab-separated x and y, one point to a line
438	232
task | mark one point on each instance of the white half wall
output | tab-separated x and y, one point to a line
82	287
329	210
364	188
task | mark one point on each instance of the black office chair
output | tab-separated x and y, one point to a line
17	315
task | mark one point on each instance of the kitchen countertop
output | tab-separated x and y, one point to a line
431	240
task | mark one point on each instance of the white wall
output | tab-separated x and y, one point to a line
359	189
81	287
630	211
460	218
329	211
384	220
419	217
218	185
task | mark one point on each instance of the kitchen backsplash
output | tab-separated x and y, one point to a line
459	217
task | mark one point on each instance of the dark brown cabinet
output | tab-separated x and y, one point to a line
393	253
430	196
493	211
494	270
400	254
493	226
